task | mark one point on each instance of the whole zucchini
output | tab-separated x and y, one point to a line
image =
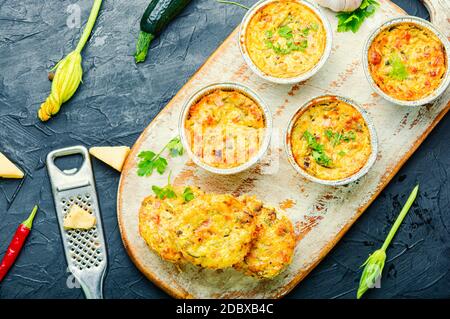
156	17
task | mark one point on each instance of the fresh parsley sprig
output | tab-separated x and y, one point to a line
168	191
351	21
317	150
151	161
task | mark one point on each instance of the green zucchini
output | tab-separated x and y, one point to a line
156	17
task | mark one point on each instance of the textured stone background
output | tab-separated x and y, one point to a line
118	100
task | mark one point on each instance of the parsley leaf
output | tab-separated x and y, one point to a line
164	192
188	195
175	147
150	161
337	137
399	71
305	31
269	34
351	21
318	152
285	32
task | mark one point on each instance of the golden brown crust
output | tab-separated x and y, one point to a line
156	222
214	231
218	231
272	247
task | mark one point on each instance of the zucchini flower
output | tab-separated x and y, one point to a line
69	72
373	267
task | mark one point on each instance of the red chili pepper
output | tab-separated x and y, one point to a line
16	244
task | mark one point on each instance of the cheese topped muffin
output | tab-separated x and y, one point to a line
225	128
285	39
330	139
407	61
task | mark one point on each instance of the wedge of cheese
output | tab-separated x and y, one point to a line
114	156
78	218
8	169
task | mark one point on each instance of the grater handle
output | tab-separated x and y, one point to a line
94	291
80	178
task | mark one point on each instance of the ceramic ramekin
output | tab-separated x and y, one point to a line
338	182
292	80
226	86
422	23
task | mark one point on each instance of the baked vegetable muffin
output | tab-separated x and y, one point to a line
285	39
407	61
330	139
225	128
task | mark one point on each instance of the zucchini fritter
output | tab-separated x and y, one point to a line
215	231
218	231
273	245
156	221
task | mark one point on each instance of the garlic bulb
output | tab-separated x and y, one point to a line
340	5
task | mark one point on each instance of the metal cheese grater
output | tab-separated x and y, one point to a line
85	249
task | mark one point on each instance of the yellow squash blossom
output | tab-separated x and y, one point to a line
68	73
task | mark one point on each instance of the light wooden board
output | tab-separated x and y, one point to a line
321	214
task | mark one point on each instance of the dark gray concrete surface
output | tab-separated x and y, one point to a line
116	102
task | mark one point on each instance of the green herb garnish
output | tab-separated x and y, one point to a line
175	147
336	137
166	191
285	32
305	31
318	152
398	71
188	195
351	21
290	46
150	161
342	153
373	266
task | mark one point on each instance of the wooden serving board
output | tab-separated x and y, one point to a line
321	214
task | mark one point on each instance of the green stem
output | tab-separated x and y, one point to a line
29	222
168	178
400	218
233	3
89	25
142	46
